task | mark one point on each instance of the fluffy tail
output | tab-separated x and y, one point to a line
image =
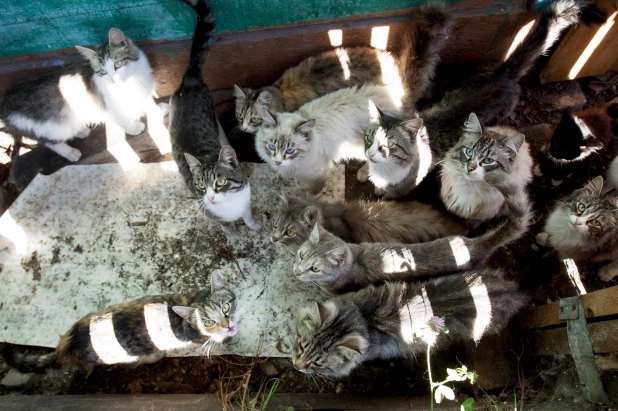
556	16
199	45
26	363
419	54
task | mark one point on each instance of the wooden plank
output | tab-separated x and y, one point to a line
281	402
603	334
603	59
597	304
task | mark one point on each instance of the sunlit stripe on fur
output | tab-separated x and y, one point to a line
424	158
104	342
521	35
160	329
483	308
344	60
392	262
460	251
574	276
414	317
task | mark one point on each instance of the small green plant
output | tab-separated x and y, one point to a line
263	394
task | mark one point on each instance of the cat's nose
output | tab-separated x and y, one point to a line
277	162
211	199
471	168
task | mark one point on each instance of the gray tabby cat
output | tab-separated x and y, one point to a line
361	222
140	331
401	153
343	267
395	320
212	172
114	86
584	227
316	76
479	153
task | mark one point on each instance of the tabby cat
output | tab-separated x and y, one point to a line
140	331
343	267
479	152
401	153
212	172
316	76
361	221
395	320
584	227
113	86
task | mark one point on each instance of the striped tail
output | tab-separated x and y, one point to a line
27	363
199	45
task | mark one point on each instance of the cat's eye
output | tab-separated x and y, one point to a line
487	160
275	223
301	349
301	256
101	72
468	152
290	150
314	269
221	182
290	233
594	222
580	208
390	144
239	116
209	323
225	308
118	64
369	138
200	185
254	120
272	147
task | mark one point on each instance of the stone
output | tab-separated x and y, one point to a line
571	97
15	379
269	369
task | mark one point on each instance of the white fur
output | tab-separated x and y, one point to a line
341	119
230	207
470	197
611	181
561	234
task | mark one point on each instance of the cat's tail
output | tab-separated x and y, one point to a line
555	17
199	45
420	49
27	363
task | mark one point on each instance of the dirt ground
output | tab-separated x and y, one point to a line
537	271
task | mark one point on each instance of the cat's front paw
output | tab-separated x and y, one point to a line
362	175
229	229
84	133
542	239
379	191
254	224
537	171
136	129
607	273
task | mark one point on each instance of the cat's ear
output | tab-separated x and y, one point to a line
216	283
338	256
227	155
238	93
314	237
268	118
265	98
513	142
310	215
305	128
413	126
353	344
374	112
284	199
90	54
117	38
184	312
473	125
323	311
192	161
595	186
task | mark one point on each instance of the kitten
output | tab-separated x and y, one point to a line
340	68
140	331
306	143
584	227
578	138
343	267
211	172
401	153
114	86
479	152
393	320
361	221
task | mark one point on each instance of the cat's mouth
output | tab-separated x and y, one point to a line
231	330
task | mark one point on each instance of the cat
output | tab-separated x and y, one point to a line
395	320
361	221
340	68
584	227
479	152
211	172
306	143
578	138
114	85
401	153
342	267
140	331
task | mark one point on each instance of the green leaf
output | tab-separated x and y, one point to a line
444	391
289	409
467	405
472	376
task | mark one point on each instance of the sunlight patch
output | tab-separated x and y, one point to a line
521	35
344	60
118	147
156	128
460	251
573	273
594	43
104	342
414	317
14	232
483	309
424	155
335	37
379	37
160	328
392	262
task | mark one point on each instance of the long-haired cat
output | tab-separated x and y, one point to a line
401	153
395	320
212	172
342	267
480	152
361	221
584	227
114	85
578	139
140	331
409	72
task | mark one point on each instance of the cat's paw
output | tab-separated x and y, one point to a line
537	171
362	175
73	155
136	129
84	133
70	153
229	229
379	191
542	239
607	273
255	225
